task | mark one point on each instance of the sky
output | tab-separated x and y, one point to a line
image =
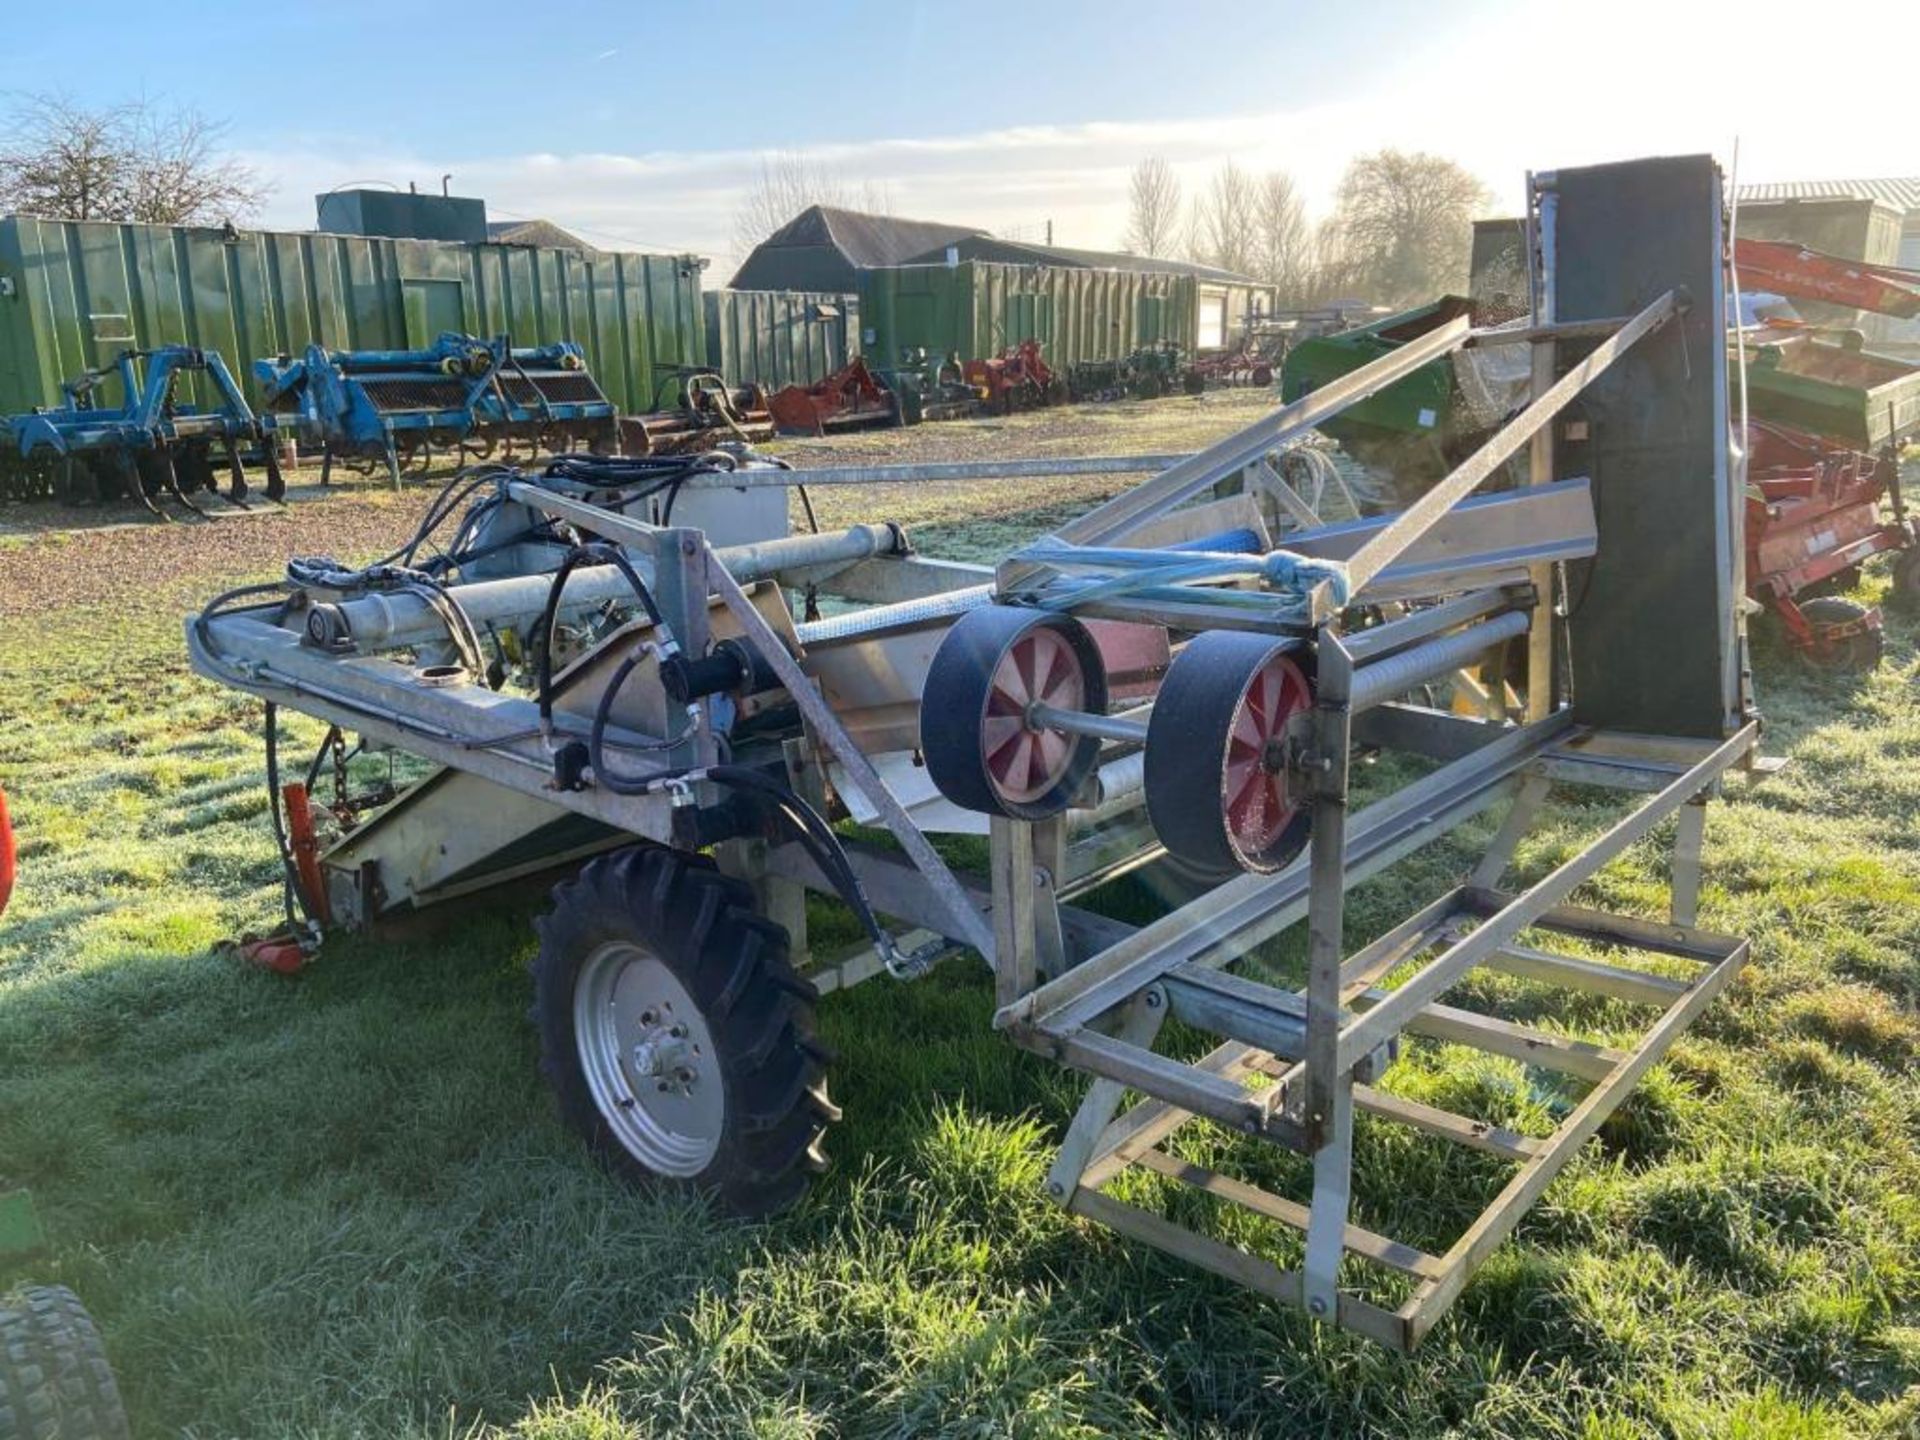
643	125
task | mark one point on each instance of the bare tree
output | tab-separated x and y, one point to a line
1222	229
1282	241
789	182
1153	209
136	161
1406	223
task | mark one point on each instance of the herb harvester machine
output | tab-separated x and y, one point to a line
1156	685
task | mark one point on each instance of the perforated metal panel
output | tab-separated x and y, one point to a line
1654	629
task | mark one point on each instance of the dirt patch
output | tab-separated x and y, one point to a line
56	557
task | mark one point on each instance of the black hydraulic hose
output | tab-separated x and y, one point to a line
599	554
807	825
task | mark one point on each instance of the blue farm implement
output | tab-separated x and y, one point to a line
154	445
461	396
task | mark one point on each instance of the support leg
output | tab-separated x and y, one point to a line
780	900
1329	1094
1140	1021
1520	817
1687	843
1016	961
1327	1219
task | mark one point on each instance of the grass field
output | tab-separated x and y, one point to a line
339	1205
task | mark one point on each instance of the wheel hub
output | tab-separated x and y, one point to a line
648	1059
1025	760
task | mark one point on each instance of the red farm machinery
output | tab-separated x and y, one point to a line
851	398
1826	422
1018	378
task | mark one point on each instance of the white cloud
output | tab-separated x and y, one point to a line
1620	89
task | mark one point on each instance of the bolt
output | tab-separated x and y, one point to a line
1154	1000
678	1032
647	1017
1251	1127
1056	1189
626	1102
1318	1305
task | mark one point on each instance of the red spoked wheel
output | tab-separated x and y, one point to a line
1219	791
983	747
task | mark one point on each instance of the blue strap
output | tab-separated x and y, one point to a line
1286	576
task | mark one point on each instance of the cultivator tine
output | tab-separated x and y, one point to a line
276	480
236	475
170	483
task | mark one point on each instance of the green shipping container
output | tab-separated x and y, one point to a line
776	338
73	294
979	308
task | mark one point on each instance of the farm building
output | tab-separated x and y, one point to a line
1888	229
824	248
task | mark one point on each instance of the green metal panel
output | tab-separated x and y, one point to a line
780	337
980	307
76	293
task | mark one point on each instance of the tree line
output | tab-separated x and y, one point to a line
1401	230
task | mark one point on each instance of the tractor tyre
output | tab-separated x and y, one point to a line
676	1035
55	1383
1854	650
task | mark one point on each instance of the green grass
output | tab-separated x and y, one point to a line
339	1205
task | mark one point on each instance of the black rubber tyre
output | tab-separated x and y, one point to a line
55	1383
755	1011
1191	747
960	698
1853	654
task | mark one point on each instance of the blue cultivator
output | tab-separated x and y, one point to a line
153	446
461	396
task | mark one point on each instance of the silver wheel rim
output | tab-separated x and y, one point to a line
648	1059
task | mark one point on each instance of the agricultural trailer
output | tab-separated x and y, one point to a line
1155	684
154	445
459	397
1826	421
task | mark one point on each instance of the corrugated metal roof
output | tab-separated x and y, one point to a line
1902	195
822	247
868	241
536	232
